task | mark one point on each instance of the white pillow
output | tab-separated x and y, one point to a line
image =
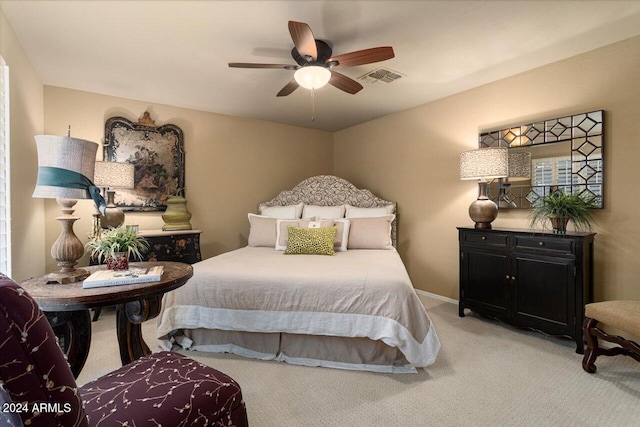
354	212
342	235
283	212
281	232
334	212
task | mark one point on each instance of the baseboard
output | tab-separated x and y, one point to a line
436	296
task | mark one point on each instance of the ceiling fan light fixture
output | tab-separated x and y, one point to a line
312	76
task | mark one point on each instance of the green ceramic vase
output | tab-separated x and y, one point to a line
176	217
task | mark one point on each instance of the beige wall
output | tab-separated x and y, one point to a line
412	157
231	163
27	120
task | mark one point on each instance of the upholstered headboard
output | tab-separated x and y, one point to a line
329	190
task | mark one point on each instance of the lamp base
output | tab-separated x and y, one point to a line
63	277
483	211
113	217
97	228
482	226
67	249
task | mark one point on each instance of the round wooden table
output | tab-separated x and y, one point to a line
67	309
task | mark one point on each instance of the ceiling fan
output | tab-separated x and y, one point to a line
316	64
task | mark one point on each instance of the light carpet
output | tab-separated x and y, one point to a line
486	374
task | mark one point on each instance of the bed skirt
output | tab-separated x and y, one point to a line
362	354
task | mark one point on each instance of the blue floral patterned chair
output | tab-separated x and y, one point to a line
164	388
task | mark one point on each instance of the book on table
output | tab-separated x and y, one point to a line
123	277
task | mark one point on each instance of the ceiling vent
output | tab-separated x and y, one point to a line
381	74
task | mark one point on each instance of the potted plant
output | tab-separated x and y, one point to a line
560	208
116	245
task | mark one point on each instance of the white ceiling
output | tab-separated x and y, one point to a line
176	52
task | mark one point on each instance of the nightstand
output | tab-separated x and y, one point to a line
176	245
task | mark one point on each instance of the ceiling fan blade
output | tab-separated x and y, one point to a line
250	65
303	39
288	88
344	83
365	56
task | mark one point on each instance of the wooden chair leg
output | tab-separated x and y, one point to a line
592	350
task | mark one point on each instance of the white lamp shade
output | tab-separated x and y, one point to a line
114	175
312	76
519	166
64	152
484	163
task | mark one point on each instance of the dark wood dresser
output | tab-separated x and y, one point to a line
177	245
536	280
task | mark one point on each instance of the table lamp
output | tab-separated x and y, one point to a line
483	164
519	170
112	175
65	173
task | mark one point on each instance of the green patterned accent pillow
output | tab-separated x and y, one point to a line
310	241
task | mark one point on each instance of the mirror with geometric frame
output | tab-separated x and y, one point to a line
566	154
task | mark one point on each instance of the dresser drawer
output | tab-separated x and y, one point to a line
544	244
485	238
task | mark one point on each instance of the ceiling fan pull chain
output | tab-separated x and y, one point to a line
313	105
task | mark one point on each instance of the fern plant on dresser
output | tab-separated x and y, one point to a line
536	280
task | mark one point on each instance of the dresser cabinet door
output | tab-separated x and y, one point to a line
543	292
483	280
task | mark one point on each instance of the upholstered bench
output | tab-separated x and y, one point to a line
622	315
163	388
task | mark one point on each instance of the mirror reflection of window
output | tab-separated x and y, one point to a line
552	171
558	173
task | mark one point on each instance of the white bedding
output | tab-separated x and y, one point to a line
354	294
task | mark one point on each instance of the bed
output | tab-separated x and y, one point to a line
356	309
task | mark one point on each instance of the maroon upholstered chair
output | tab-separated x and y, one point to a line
164	388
